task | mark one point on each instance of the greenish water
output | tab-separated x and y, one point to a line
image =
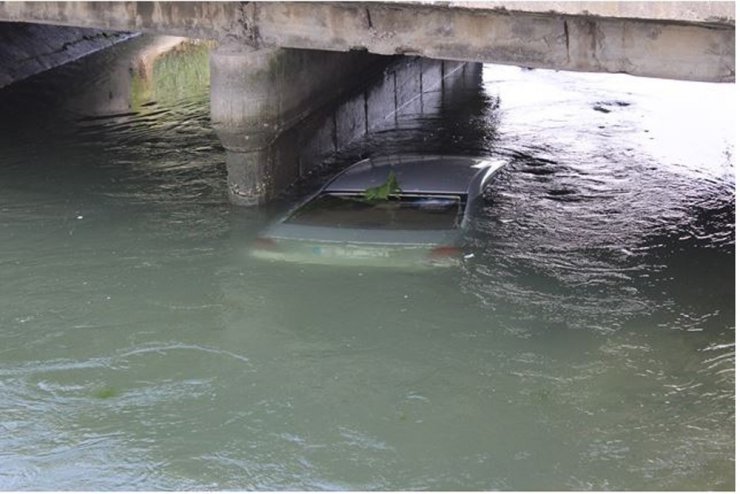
587	344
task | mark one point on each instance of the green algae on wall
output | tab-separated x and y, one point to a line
181	73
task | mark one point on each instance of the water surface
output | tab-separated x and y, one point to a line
588	343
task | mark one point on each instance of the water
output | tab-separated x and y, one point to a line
587	344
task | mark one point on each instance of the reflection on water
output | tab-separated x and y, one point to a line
587	344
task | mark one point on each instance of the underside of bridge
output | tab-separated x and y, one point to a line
259	94
278	63
278	112
678	40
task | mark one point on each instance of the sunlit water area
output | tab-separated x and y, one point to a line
587	343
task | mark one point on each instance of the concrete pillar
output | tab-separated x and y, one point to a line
258	94
278	115
245	115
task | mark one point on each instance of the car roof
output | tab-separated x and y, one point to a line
422	174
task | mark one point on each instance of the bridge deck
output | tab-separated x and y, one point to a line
680	40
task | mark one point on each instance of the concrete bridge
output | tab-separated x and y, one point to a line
679	40
276	60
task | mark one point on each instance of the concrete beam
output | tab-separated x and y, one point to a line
542	40
677	40
204	20
709	12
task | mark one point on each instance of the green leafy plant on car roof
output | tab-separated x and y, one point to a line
384	191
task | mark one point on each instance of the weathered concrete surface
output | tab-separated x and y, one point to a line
407	88
679	40
207	20
265	156
257	94
684	11
543	40
28	49
126	80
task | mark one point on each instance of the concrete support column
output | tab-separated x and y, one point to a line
249	176
256	95
245	112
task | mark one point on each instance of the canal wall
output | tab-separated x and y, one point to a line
280	112
28	49
407	87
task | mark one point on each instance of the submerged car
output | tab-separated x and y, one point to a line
398	211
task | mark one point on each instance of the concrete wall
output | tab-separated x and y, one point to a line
264	157
28	49
408	87
263	92
259	95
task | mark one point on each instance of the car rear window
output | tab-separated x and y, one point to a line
406	212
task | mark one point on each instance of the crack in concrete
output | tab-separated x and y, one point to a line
247	29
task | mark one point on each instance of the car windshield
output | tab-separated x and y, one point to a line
406	212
